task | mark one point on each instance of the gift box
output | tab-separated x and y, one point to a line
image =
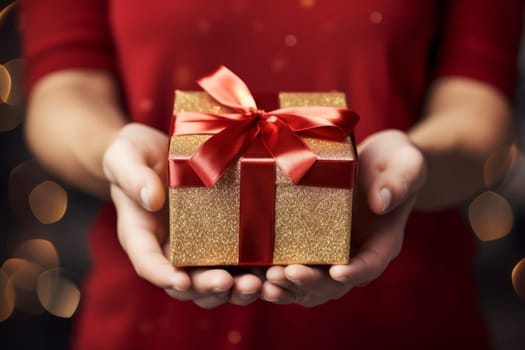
249	187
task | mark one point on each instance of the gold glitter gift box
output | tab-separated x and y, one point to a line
311	225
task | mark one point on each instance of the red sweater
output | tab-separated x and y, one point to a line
383	54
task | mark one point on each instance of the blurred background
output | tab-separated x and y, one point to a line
43	224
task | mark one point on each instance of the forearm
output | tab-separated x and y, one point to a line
72	117
466	121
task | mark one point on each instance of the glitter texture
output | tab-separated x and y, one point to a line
312	224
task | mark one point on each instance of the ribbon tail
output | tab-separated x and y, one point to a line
288	150
215	155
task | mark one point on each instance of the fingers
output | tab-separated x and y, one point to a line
136	162
210	287
303	285
246	289
383	243
139	234
392	170
364	268
278	289
398	182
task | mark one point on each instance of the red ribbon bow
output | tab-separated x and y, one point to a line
277	129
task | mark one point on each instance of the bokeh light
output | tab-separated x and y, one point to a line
327	26
279	63
15	69
290	40
7	297
203	26
57	294
22	180
23	275
307	4
498	165
183	75
490	216
5	83
376	17
22	272
234	337
10	117
6	10
48	202
145	105
518	278
257	26
39	251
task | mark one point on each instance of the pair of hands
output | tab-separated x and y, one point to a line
391	171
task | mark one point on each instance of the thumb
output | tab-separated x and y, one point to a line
134	162
398	180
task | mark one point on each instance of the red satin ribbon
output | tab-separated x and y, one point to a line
277	129
263	138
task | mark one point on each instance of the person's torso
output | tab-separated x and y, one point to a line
376	51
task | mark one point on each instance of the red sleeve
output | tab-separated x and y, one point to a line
64	34
481	41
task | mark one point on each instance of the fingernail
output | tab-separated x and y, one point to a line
341	279
177	283
144	197
386	195
340	273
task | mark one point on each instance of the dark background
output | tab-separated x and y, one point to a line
32	327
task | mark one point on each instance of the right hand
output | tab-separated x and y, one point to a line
391	172
135	166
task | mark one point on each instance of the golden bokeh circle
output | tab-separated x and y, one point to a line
48	202
5	83
491	216
16	93
498	165
24	275
7	296
40	251
57	294
6	10
518	278
22	272
10	117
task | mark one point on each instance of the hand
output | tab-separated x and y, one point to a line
135	165
391	171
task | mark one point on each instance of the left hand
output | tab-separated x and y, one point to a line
135	166
391	171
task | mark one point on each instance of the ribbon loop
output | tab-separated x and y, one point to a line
278	129
228	89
